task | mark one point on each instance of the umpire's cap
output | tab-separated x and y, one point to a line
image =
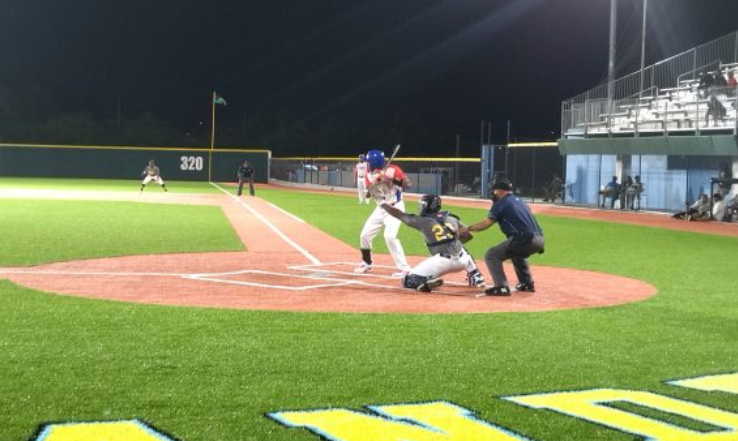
502	184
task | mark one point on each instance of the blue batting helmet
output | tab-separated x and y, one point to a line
375	158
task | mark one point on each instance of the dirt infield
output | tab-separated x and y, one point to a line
292	266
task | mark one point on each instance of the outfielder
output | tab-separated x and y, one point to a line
151	171
441	231
360	170
384	185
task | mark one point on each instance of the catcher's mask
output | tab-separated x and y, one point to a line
429	204
375	158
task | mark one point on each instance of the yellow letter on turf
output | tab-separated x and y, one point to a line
722	383
437	421
103	431
591	405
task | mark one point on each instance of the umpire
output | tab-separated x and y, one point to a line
245	173
524	237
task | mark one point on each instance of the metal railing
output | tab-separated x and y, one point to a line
581	112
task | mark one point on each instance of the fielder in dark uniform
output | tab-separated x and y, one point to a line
152	173
524	238
245	173
441	231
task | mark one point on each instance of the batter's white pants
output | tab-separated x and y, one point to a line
437	265
361	190
150	178
381	219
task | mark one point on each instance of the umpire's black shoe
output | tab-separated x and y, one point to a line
526	287
498	291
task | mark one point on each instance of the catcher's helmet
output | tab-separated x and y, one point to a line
430	204
362	157
375	158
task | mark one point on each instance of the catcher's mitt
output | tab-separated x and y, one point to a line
465	236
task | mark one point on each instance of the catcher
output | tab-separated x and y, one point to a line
441	231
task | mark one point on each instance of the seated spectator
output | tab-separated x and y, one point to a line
732	83
612	191
718	207
719	83
699	210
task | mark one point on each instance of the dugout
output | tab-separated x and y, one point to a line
674	170
126	162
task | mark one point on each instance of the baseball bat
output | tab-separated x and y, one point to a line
394	153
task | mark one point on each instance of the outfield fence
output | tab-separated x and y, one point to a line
123	162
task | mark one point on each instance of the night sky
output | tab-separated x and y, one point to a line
446	64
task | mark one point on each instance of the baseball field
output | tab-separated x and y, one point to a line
193	315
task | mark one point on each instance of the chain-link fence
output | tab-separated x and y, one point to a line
536	172
532	170
443	176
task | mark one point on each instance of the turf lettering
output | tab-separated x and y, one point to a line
436	421
712	383
592	405
132	430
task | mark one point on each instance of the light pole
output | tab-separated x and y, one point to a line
643	44
611	62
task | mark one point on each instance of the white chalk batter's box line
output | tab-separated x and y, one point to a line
315	274
317	268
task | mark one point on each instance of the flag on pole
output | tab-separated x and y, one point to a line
217	99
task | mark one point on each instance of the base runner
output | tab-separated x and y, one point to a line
441	231
385	185
152	173
360	170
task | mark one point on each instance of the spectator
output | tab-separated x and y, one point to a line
639	188
553	191
699	210
705	82
732	83
718	207
716	109
731	209
720	83
612	191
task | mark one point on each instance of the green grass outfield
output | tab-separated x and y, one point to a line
103	185
208	374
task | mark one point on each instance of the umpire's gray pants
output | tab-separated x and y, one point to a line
509	250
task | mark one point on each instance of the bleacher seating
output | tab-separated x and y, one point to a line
681	108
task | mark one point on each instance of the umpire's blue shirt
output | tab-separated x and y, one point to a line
514	217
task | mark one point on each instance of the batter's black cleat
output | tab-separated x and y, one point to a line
526	287
498	291
429	285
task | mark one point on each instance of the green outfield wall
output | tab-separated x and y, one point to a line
121	162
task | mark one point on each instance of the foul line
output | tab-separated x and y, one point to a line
271	226
286	213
